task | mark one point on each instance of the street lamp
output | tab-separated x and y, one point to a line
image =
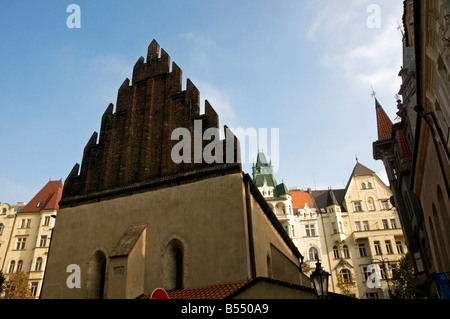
319	279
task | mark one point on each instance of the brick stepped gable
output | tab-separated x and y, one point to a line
135	142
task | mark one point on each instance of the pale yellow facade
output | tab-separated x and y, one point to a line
7	218
361	230
28	247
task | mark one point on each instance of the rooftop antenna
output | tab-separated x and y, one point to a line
373	94
399	27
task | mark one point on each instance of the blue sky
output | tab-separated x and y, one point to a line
304	67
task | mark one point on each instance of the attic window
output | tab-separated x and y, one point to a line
40	204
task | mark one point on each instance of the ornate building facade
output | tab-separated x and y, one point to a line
310	234
360	228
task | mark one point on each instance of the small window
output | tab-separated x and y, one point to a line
384	204
3	211
19	265
1	228
346	276
40	204
393	224
366	225
313	253
34	288
333	225
369	185
377	247
346	251
46	221
372	295
389	247
362	250
119	271
12	265
363	185
20	244
385	224
358	226
38	264
399	247
357	206
310	230
335	252
43	241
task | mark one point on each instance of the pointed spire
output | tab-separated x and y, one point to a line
384	124
331	200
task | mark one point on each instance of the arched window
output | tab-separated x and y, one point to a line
346	251
174	258
19	265
369	185
335	252
12	265
346	275
96	275
1	228
313	253
363	185
38	264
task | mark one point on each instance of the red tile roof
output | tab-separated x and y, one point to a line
299	197
384	124
220	291
47	198
403	146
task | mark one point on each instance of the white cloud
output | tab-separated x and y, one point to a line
219	100
366	56
110	72
375	62
200	51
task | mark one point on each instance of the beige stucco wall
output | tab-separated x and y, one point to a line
264	238
208	216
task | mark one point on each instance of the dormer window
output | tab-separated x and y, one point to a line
40	204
